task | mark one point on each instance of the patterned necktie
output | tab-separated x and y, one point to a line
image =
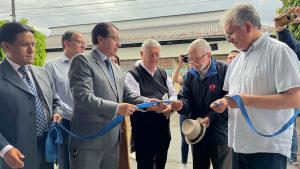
39	109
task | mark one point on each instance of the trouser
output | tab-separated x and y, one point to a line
151	149
219	155
94	158
184	145
259	161
132	149
63	150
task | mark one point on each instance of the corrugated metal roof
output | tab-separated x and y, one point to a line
163	33
176	32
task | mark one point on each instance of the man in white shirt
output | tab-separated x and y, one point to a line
266	76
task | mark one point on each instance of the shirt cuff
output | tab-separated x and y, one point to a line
4	150
117	109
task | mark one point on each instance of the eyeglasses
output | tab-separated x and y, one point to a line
115	38
197	59
82	43
229	35
152	55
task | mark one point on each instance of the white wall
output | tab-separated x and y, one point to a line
166	51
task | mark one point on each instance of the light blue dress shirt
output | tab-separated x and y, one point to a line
58	69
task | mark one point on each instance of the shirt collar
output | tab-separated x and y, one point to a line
151	73
258	42
13	64
65	59
211	70
103	57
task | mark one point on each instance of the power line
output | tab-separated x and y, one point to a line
2	12
74	5
120	8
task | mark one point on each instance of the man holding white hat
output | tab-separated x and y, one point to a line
206	130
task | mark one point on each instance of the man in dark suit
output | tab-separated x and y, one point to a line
99	93
27	100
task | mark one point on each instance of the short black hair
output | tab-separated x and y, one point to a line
101	29
67	36
9	31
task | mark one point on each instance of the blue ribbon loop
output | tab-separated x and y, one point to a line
54	136
240	104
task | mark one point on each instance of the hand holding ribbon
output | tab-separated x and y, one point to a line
126	109
237	102
219	105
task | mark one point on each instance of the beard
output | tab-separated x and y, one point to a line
200	67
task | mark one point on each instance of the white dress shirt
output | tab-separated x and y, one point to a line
134	86
268	67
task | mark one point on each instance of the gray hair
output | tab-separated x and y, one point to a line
241	13
138	62
201	44
150	43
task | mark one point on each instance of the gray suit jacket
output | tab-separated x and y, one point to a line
96	99
18	120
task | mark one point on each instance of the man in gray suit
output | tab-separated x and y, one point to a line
99	93
27	100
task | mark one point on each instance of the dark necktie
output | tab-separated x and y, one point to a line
39	109
109	68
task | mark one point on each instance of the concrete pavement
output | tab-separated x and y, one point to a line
174	156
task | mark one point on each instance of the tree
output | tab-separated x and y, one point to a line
40	40
295	27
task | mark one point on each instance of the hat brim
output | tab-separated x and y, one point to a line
197	139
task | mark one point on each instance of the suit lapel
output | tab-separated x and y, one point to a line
40	83
12	77
102	66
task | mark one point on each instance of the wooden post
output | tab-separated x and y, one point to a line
124	154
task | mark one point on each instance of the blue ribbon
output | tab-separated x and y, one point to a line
240	104
54	134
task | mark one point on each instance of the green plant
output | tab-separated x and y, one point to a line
2	54
40	40
287	4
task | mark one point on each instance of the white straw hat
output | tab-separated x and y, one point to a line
193	131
